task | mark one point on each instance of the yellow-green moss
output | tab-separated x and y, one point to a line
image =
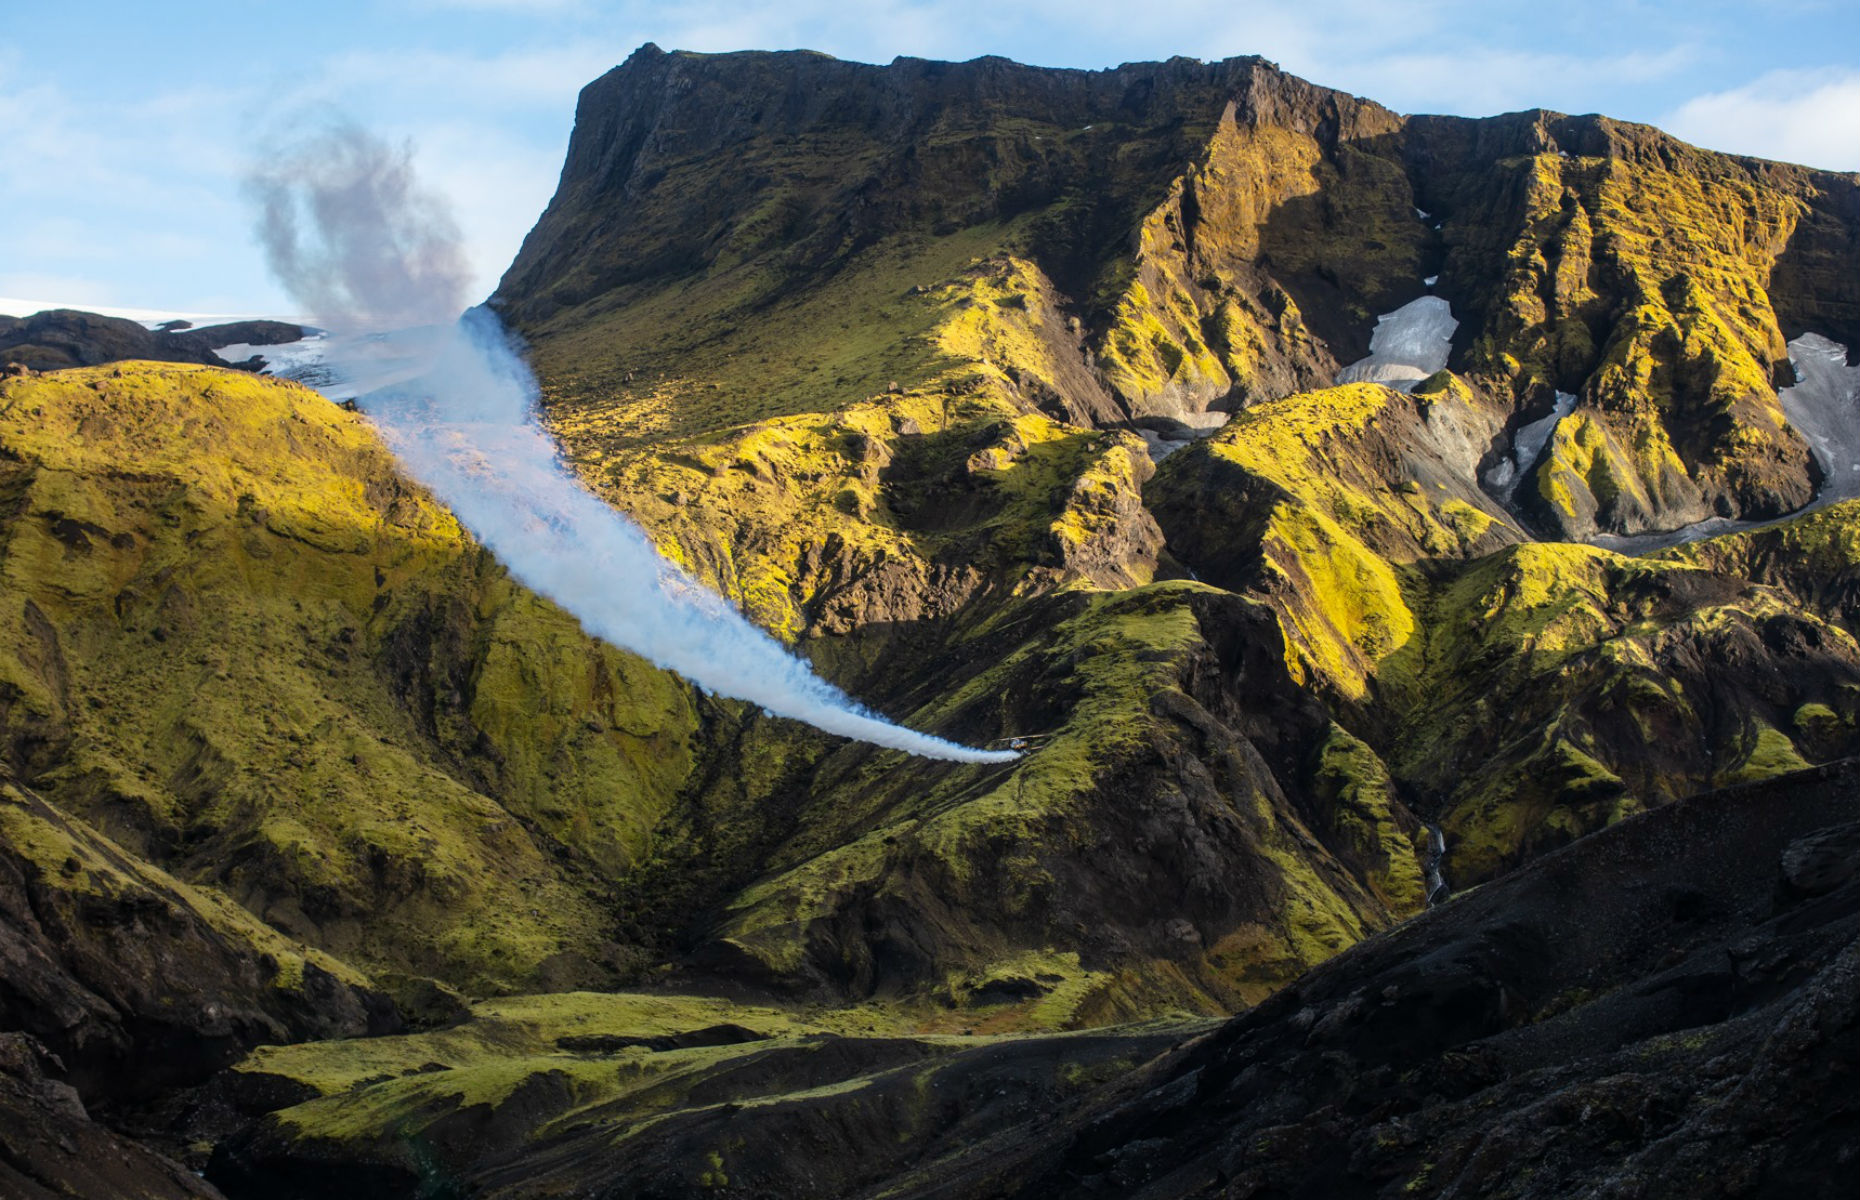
74	859
220	591
1354	781
1770	753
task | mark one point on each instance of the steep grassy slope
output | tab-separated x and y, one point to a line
239	643
251	653
948	330
243	646
1190	237
137	982
1523	695
874	351
1180	764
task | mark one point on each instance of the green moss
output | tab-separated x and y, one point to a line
1467	523
72	860
1311	473
1344	610
1118	652
1548	692
1771	753
1818	721
519	1032
254	638
1363	807
1641	281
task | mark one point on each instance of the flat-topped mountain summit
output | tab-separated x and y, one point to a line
1220	233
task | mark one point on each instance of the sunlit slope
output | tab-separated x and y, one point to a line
1520	693
244	646
883	420
1658	282
236	639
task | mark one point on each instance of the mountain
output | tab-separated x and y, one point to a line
1025	404
62	337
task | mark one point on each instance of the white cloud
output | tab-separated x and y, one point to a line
1810	117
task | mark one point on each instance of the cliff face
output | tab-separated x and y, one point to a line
1205	236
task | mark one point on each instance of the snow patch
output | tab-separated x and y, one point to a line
1407	345
1527	446
1430	281
1824	407
1200	425
306	360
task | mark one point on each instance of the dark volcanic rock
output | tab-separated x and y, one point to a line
1669	1008
135	982
249	333
49	1147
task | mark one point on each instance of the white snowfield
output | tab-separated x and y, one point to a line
1407	345
150	317
1824	407
1527	445
369	363
303	360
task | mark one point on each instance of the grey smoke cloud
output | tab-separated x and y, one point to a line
346	226
350	233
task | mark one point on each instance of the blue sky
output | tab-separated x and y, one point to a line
125	127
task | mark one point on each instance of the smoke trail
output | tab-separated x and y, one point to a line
349	233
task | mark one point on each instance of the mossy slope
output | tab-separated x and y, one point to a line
138	982
235	639
1647	277
252	653
849	376
1527	695
863	347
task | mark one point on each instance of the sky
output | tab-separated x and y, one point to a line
127	127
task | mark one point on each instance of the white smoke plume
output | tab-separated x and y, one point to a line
350	234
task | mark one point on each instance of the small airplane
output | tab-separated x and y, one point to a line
1022	741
